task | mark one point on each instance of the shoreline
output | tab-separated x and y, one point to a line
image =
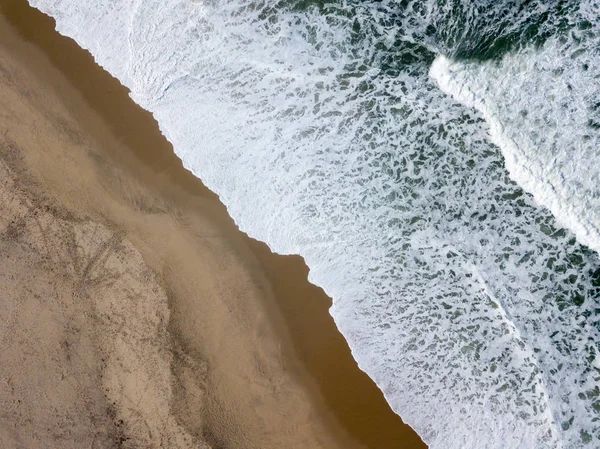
310	352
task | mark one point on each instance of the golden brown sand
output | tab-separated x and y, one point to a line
134	313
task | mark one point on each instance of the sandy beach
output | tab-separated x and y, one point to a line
134	313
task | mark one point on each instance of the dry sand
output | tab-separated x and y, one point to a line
133	312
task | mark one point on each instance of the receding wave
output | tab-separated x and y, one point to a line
321	129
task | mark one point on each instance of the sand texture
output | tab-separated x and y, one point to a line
85	350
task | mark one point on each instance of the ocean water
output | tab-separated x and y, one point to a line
436	164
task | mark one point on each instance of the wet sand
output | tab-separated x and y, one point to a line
257	359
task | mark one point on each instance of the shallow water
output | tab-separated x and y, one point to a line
382	141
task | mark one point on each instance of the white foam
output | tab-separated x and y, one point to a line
545	136
452	288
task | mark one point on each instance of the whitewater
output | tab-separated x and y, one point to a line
435	163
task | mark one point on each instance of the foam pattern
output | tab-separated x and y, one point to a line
549	136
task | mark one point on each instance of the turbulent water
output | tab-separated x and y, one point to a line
435	162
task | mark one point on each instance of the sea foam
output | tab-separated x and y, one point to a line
548	136
470	308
